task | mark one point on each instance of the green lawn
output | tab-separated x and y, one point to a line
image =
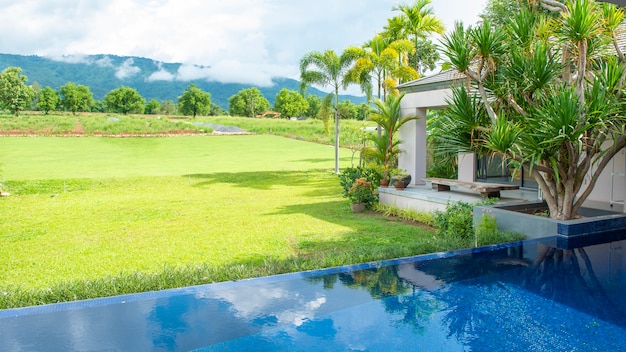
89	216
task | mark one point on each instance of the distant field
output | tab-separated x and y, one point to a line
90	124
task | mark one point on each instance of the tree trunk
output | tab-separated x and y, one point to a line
337	130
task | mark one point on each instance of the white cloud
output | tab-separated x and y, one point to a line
191	72
126	69
161	75
254	301
104	62
71	59
247	41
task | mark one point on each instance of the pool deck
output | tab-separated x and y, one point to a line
424	198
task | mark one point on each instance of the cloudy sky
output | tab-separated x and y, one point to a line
243	41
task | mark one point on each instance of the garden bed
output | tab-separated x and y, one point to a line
521	218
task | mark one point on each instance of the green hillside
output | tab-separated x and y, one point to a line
152	79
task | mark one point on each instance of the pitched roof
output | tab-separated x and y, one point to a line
441	80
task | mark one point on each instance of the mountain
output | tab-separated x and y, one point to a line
152	79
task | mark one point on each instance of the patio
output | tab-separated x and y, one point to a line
424	198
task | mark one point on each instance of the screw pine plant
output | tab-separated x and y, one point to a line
545	92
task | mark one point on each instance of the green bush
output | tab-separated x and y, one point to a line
423	217
487	232
349	175
362	191
442	170
455	221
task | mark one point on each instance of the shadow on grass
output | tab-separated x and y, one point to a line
321	182
371	236
367	237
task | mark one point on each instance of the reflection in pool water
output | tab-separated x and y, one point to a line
526	296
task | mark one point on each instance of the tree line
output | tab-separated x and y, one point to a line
16	96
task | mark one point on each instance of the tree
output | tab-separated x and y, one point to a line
550	95
499	11
217	110
248	102
76	97
426	56
194	101
15	95
378	60
125	100
418	21
315	103
347	110
290	103
152	107
48	100
327	69
168	107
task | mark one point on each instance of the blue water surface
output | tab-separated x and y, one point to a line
528	296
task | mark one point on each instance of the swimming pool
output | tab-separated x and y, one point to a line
529	296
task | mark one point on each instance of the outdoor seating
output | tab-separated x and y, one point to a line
486	190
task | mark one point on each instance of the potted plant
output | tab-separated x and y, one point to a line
400	178
361	194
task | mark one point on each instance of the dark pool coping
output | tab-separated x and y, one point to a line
190	290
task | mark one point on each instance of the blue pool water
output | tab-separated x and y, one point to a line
528	296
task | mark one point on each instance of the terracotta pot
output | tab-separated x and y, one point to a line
384	183
357	207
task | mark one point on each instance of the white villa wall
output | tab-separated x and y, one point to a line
412	157
611	185
467	167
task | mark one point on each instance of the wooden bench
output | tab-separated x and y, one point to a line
487	190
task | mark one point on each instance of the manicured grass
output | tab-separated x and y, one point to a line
96	216
99	157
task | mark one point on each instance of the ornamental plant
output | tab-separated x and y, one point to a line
545	92
362	191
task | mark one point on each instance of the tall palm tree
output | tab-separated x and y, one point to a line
388	115
327	69
377	60
418	21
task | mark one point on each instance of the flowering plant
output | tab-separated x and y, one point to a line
362	191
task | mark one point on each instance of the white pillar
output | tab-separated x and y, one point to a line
412	156
467	167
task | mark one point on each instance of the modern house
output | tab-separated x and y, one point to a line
432	92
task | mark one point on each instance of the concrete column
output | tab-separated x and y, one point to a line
467	167
412	156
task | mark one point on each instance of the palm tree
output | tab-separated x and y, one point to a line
327	69
418	21
388	116
378	61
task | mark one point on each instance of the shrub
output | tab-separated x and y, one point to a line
349	175
423	217
442	170
362	191
455	221
487	232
